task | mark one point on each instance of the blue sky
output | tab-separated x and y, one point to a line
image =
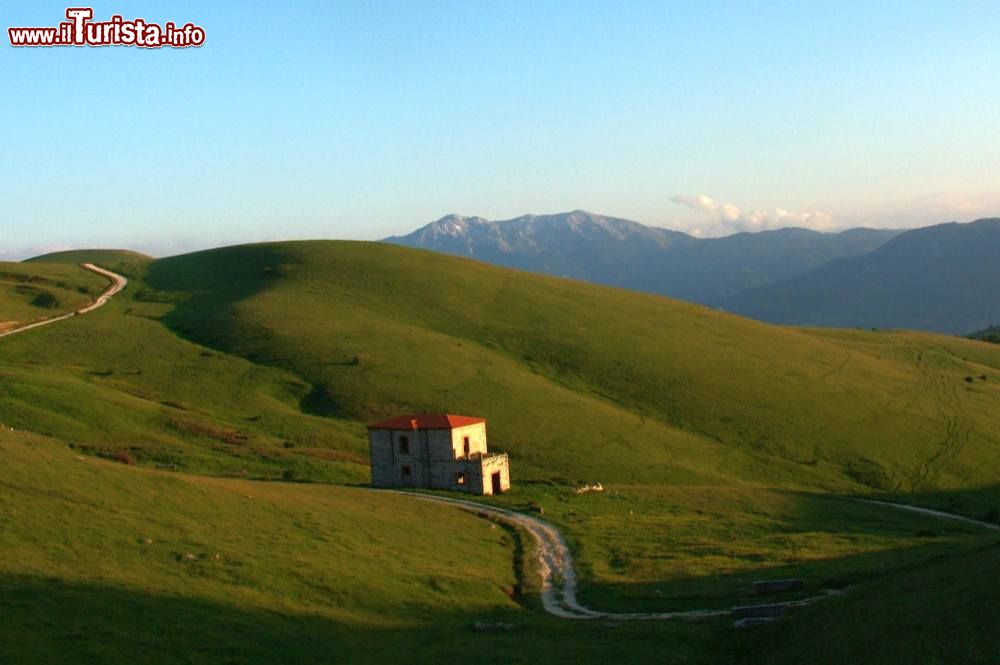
363	119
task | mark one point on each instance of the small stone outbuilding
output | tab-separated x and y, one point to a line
436	451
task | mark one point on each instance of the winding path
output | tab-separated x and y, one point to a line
117	284
559	573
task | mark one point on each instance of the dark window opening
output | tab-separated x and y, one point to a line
465	446
406	470
404	445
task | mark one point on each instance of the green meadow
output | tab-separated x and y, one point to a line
730	451
109	564
29	293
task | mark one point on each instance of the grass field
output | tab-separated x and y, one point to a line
109	564
943	611
729	448
583	383
655	548
31	293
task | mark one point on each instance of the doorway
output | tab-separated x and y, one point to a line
496	483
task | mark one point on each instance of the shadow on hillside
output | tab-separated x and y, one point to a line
821	577
897	541
48	620
943	612
982	503
205	286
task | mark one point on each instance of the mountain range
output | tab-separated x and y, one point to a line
619	252
938	278
942	278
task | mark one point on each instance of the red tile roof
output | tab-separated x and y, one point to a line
427	421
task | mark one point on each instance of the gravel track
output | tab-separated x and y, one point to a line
117	284
559	583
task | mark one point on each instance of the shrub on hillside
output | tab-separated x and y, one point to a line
45	300
123	457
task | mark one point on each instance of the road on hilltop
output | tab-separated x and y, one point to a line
117	284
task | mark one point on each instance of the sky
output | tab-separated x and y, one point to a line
363	119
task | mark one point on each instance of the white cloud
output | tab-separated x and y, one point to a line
725	218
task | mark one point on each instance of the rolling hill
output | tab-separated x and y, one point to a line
729	449
618	252
110	564
31	293
942	278
627	387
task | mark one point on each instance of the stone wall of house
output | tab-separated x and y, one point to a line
435	459
412	458
495	464
476	434
385	471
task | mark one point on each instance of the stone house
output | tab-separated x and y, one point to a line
436	451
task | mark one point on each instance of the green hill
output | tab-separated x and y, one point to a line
121	259
107	564
587	383
32	293
726	446
944	612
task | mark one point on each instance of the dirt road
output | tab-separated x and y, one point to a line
558	572
117	284
933	513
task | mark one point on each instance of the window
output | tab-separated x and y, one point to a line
406	471
465	446
459	478
404	445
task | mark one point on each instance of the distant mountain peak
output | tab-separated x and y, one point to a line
610	250
453	225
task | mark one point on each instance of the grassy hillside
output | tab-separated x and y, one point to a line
726	446
673	548
586	383
117	383
31	293
109	564
122	260
582	384
944	612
